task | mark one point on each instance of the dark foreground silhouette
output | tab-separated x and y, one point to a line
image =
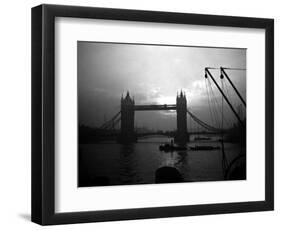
168	174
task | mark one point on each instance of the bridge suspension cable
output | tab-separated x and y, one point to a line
112	122
202	123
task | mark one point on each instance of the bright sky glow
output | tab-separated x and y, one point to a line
153	75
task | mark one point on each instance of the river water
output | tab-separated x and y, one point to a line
117	164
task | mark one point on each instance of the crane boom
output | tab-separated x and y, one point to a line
207	72
233	86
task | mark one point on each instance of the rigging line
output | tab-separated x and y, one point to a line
212	101
215	103
212	68
224	160
211	114
229	98
242	69
235	104
229	68
227	92
190	127
222	86
207	73
224	118
217	106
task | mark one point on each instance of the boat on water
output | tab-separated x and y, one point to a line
202	138
168	147
203	148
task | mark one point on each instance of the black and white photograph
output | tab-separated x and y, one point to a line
150	113
139	113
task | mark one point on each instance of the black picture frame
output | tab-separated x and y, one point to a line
43	110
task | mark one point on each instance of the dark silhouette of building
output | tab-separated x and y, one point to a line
181	135
127	119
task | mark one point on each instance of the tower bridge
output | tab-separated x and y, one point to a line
126	116
128	109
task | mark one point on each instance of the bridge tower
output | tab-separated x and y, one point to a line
127	120
182	136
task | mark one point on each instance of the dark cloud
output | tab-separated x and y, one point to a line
153	75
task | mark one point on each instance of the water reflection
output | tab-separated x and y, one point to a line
115	164
128	164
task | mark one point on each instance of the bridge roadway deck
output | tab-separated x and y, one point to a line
154	107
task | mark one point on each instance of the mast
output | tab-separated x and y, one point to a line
207	72
223	73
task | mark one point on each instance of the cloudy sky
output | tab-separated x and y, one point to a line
153	75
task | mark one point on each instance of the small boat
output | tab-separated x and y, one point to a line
203	147
168	147
202	138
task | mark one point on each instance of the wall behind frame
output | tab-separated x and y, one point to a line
15	116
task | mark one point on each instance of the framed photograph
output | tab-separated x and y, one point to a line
143	114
